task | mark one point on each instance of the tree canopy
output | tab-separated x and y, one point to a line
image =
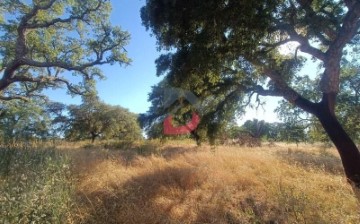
43	42
94	119
229	51
23	121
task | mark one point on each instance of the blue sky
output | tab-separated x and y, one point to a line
129	86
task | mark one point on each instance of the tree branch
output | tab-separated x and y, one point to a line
349	29
266	92
331	78
47	81
303	41
306	5
67	20
15	97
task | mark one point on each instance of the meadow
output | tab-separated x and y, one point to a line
175	182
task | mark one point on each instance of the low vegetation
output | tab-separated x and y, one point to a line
36	186
178	182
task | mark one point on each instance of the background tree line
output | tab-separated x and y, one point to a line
92	119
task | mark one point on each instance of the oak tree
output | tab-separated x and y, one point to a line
43	43
23	121
95	119
231	49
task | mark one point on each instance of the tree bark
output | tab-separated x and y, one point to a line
93	136
346	147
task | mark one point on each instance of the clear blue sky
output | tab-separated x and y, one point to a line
129	86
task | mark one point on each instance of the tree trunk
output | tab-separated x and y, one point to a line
93	136
347	149
196	137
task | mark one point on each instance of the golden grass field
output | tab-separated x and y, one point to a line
180	183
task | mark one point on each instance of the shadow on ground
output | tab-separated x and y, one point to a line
322	160
169	195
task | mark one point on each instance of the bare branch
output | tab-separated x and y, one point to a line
15	97
269	47
303	41
46	81
266	92
63	65
282	87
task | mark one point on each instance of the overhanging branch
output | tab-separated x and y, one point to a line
266	92
59	20
303	41
15	97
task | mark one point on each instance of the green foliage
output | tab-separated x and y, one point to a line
21	120
59	119
288	132
94	118
259	129
349	99
205	61
256	128
348	104
227	52
41	40
35	186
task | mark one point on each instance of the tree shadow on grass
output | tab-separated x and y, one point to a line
148	198
168	195
323	161
126	157
171	152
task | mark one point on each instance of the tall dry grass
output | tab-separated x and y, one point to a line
177	183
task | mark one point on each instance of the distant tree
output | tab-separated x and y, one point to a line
231	131
42	42
232	49
59	119
256	128
23	121
290	132
93	119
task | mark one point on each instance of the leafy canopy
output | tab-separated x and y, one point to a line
42	41
94	119
229	51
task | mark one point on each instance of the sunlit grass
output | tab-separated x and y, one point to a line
175	182
180	183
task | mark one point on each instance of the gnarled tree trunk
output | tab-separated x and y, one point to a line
349	153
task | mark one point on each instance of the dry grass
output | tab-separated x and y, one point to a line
178	183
